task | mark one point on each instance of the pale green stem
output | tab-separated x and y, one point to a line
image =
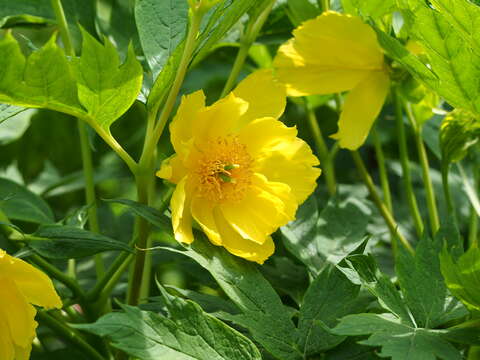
427	181
446	189
387	216
246	42
382	170
322	150
84	146
324	5
473	223
406	175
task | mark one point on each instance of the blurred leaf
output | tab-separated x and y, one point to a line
301	10
8	111
330	297
329	236
43	80
18	203
152	215
106	88
187	334
369	8
423	288
68	242
463	276
15	126
469	188
161	26
458	132
350	349
262	310
398	341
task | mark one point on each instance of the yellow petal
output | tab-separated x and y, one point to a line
181	216
7	350
33	284
331	53
265	96
19	314
181	127
262	135
218	120
23	353
202	212
172	169
265	207
292	164
361	108
237	245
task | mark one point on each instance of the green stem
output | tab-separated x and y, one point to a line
70	335
246	42
427	181
446	189
84	145
473	223
322	150
390	221
407	178
324	5
382	169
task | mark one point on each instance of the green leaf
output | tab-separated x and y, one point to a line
422	284
161	26
106	88
69	242
329	236
301	10
463	276
152	215
187	334
380	286
44	80
19	203
398	341
458	132
16	125
8	111
330	297
370	8
262	310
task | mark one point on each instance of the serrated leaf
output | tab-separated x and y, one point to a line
68	242
8	111
422	284
398	341
458	132
43	80
152	215
463	276
330	297
370	8
19	203
329	236
161	26
262	310
188	334
106	88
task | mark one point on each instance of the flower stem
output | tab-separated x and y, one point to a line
246	42
446	189
324	5
390	221
84	145
322	150
70	335
382	169
427	181
473	222
407	178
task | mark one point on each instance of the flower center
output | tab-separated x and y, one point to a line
224	170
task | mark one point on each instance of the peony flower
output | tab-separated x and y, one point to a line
335	53
21	286
239	172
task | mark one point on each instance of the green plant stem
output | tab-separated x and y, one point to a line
248	38
427	181
382	169
473	222
112	142
70	335
390	221
324	5
84	145
322	150
407	178
445	168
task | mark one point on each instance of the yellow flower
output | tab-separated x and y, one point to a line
21	285
240	172
335	53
